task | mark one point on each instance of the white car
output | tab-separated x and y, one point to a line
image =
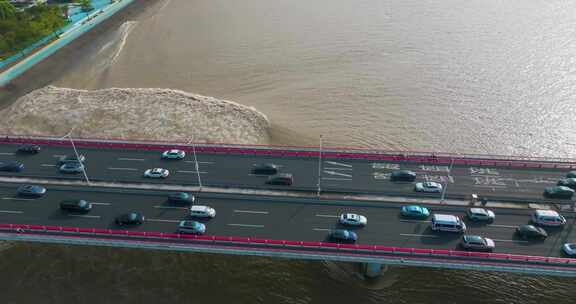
156	173
351	219
173	154
548	218
202	211
569	249
429	187
480	215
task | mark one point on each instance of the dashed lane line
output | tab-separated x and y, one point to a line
123	169
85	216
414	221
246	225
18	199
194	172
6	153
326	215
338	173
336	179
510	241
420	235
171	207
131	159
200	162
162	221
251	211
47	165
321	229
502	226
103	204
11	211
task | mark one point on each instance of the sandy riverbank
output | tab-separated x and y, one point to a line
152	114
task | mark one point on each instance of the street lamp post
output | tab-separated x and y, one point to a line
196	165
69	135
319	168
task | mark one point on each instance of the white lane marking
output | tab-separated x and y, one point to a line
338	173
170	207
339	164
247	225
251	211
200	162
85	216
321	229
336	179
6	153
58	155
509	241
502	226
11	211
47	165
490	186
131	159
162	221
103	204
326	215
124	169
195	172
414	221
419	235
18	199
341	169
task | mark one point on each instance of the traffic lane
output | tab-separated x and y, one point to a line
99	170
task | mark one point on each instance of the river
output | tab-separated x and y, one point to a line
466	76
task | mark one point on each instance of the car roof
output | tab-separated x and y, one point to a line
546	213
473	238
445	218
528	227
199	208
414	208
479	210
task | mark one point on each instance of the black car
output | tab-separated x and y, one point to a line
31	190
11	166
71	159
71	167
75	205
181	198
531	232
343	235
29	149
558	192
265	169
567	182
283	179
403	175
131	218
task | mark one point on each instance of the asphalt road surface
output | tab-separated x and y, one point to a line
273	218
338	175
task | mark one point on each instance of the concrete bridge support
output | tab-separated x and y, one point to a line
373	270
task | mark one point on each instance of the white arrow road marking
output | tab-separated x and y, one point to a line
338	164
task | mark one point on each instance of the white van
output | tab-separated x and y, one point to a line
447	222
202	211
548	218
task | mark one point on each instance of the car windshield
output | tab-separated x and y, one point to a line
475	239
414	209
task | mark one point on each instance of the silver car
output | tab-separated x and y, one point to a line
569	249
351	219
173	154
156	173
475	242
192	227
428	187
480	215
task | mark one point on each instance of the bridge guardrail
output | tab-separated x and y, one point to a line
290	151
284	244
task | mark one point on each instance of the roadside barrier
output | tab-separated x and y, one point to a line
444	159
332	248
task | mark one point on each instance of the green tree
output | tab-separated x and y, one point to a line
7	10
86	5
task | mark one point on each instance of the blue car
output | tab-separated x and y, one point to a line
11	166
343	235
415	211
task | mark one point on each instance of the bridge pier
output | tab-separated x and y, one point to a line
373	270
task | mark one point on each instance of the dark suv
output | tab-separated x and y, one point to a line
265	169
181	198
29	149
403	175
283	179
75	205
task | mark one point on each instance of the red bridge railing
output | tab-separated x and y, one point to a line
290	151
274	244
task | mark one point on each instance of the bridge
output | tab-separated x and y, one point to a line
286	221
